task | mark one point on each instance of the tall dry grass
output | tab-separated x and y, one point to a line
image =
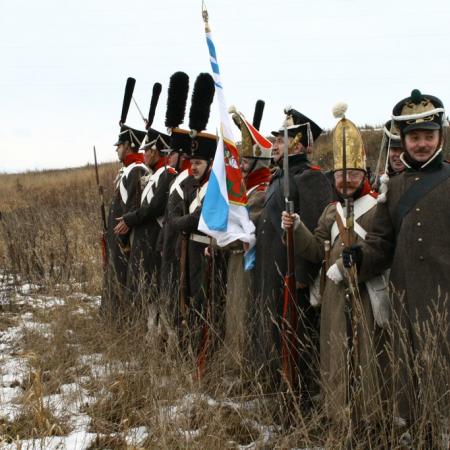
49	236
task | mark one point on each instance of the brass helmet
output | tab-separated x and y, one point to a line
253	144
346	137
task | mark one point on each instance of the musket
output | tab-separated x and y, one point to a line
325	265
289	351
102	211
183	281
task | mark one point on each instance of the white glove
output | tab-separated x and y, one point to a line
296	221
334	274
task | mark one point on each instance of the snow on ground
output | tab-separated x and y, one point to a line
72	398
14	368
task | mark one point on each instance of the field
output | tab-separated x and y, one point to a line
70	380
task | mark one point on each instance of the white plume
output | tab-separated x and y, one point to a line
287	109
232	109
339	110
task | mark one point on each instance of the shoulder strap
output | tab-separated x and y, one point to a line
416	192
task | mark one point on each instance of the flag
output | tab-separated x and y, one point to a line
224	214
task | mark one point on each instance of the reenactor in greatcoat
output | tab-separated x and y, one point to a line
410	234
127	196
311	192
351	335
391	147
145	222
255	152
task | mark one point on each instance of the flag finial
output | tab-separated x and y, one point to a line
205	17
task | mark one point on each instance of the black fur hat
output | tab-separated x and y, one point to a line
176	99
202	97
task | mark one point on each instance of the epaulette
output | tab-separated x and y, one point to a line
171	170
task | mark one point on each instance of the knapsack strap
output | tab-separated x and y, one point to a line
421	187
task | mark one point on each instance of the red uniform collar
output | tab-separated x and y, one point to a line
133	158
163	161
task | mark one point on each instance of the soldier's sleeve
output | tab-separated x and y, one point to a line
182	222
187	223
314	194
133	185
157	205
379	245
310	246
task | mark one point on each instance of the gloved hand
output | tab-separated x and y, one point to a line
352	255
334	274
289	220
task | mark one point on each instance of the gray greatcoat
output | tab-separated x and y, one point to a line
419	256
311	192
334	356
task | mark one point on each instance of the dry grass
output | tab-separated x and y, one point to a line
133	378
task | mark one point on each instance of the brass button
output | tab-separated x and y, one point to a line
418	209
421	258
420	240
416	179
419	224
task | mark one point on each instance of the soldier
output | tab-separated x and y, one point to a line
255	152
337	326
311	192
146	221
391	145
170	242
126	197
186	216
410	235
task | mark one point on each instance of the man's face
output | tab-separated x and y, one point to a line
422	144
173	159
278	147
245	166
122	151
394	159
151	156
354	180
198	167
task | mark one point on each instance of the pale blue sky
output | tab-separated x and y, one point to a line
64	64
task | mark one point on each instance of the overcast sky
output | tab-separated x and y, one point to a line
65	63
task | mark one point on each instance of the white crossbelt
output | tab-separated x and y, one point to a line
361	206
198	198
125	173
150	187
176	184
377	287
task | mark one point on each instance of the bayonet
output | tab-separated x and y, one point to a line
289	351
102	211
